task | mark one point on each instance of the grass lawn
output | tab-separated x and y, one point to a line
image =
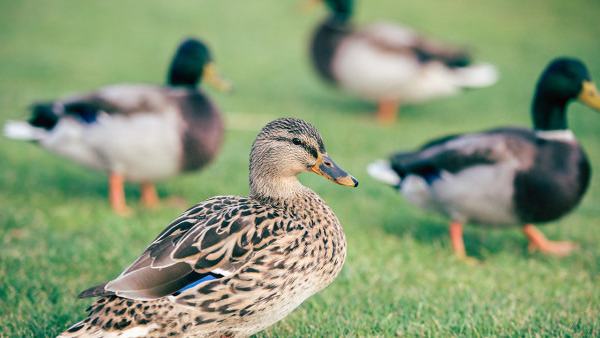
58	235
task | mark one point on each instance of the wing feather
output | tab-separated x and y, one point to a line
116	100
390	37
458	152
216	237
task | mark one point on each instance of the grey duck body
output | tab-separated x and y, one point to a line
536	179
142	132
384	62
505	176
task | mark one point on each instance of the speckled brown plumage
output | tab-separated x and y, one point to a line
267	253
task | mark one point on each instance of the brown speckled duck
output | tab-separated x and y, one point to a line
390	64
232	266
138	133
505	176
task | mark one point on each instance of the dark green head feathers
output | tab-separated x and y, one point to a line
563	80
188	63
340	9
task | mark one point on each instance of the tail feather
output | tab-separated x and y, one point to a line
45	115
21	130
477	76
381	170
96	291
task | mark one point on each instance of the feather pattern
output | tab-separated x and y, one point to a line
231	265
215	236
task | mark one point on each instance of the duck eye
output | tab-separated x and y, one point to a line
296	141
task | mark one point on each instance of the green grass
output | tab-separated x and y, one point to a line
58	236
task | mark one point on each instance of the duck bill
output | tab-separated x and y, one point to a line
212	77
327	168
308	5
589	95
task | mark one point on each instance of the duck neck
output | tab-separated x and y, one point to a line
548	113
338	19
183	73
278	190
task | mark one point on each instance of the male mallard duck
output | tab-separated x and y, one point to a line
139	133
390	64
232	266
506	175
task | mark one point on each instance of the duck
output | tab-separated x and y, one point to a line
141	133
231	266
505	176
390	64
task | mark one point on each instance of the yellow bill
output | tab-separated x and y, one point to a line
589	95
307	6
212	77
331	171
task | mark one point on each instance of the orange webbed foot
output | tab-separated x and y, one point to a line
539	242
554	248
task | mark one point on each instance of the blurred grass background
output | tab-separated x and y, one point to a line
58	236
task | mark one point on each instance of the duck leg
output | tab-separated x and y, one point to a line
456	236
149	196
537	241
458	244
386	111
116	194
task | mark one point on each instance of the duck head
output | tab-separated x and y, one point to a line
192	63
340	9
285	148
564	80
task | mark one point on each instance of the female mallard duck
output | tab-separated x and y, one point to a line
232	266
506	175
139	133
390	64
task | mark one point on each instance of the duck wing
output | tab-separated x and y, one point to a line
211	240
455	153
393	38
111	100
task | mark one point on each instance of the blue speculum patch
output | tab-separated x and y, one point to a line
431	176
88	117
191	285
